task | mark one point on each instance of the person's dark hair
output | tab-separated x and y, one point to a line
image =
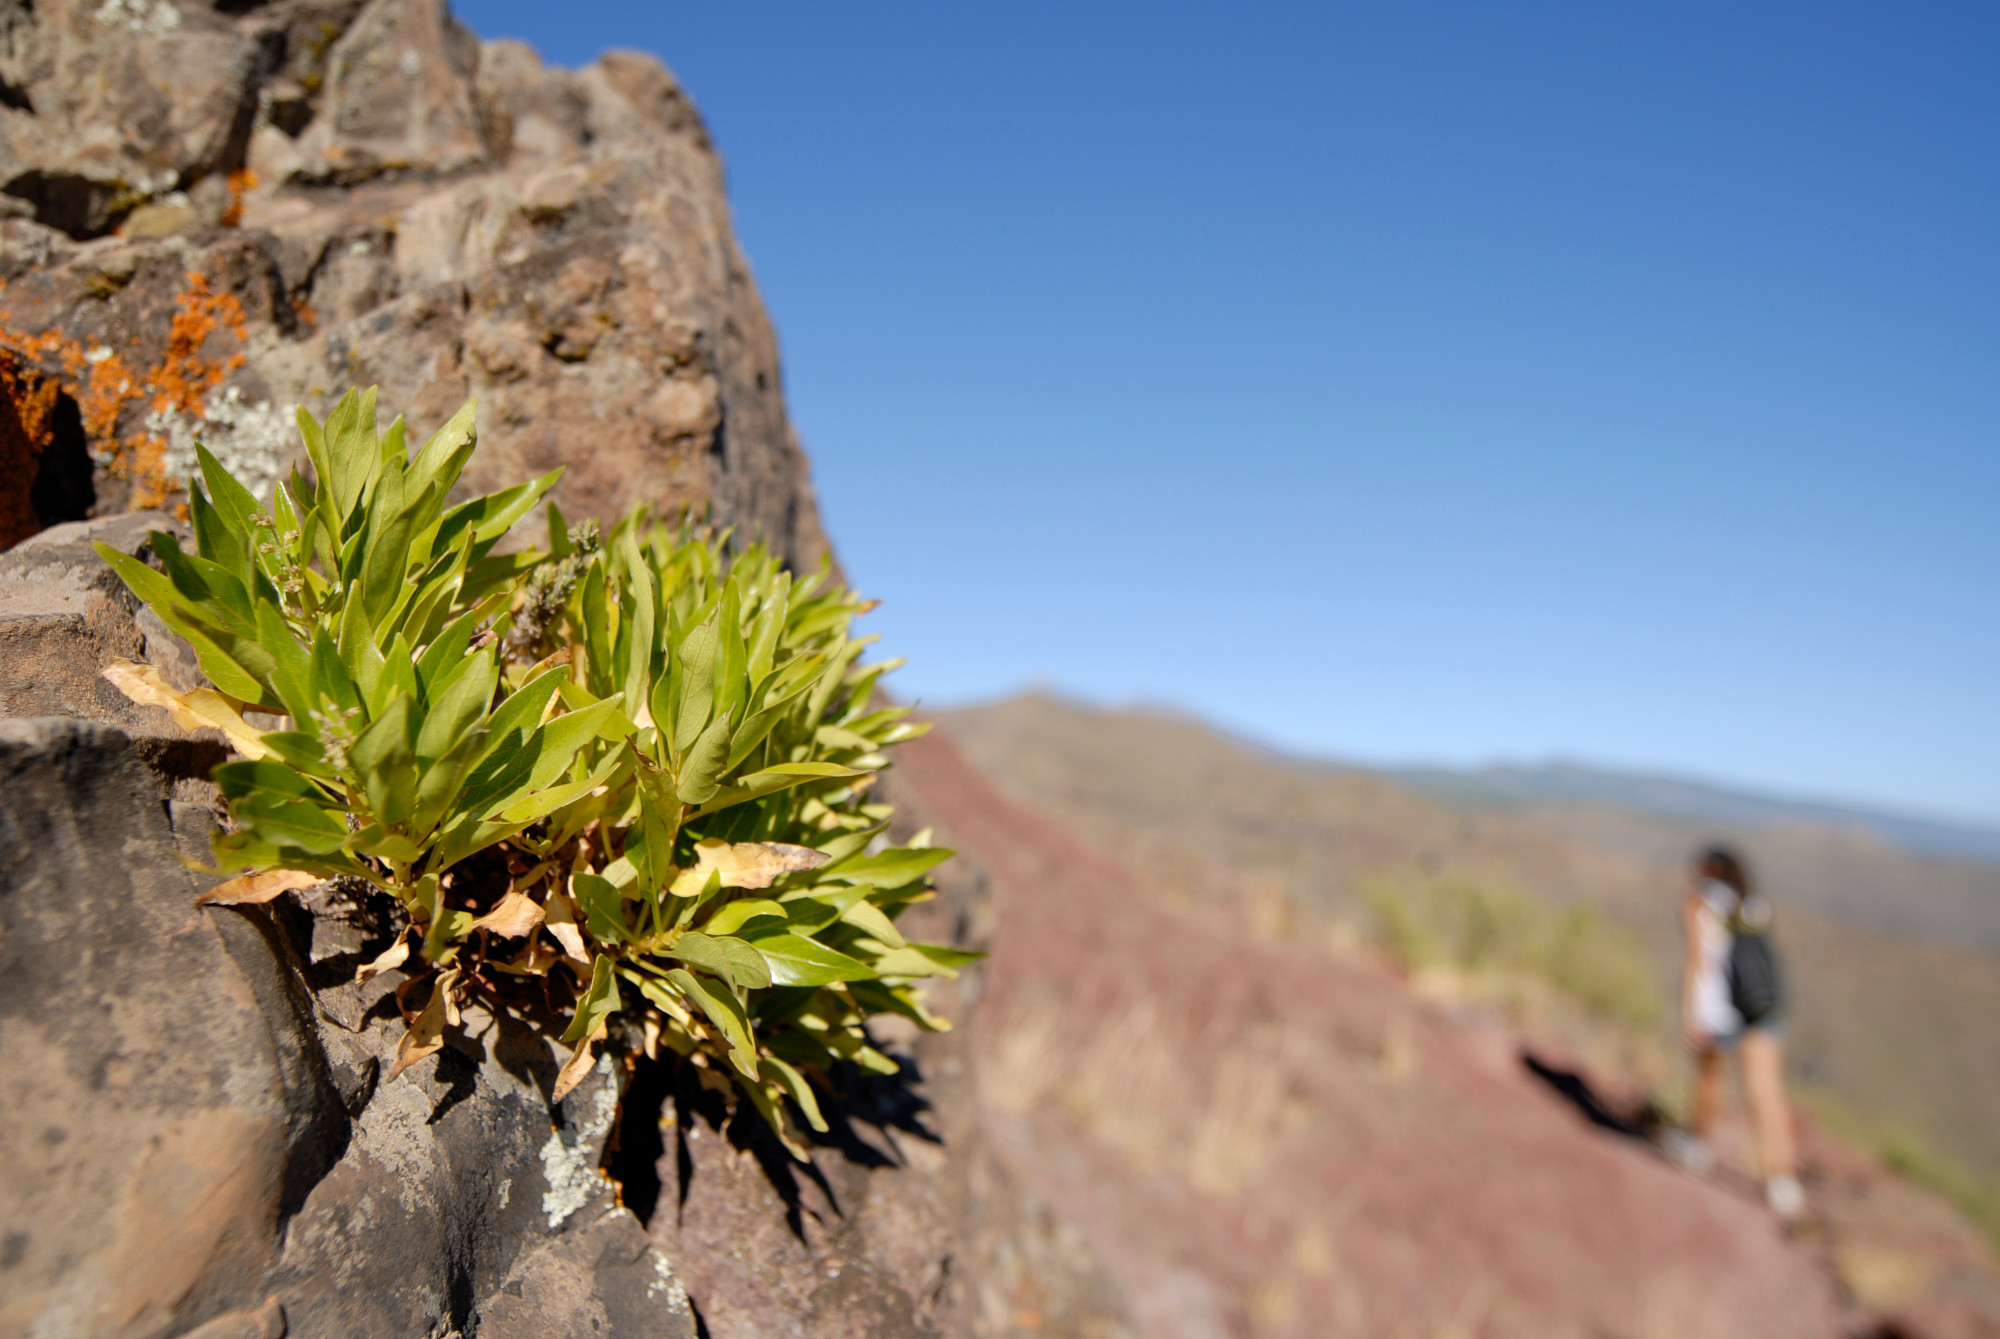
1725	867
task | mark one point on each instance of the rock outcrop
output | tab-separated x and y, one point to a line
217	211
196	1139
211	213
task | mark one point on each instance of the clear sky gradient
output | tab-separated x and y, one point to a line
1408	382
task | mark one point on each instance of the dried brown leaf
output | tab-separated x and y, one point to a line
744	864
204	708
576	1066
426	1035
560	918
251	889
515	915
394	956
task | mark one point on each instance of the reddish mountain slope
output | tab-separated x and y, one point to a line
1258	1140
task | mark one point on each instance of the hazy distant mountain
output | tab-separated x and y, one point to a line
1511	785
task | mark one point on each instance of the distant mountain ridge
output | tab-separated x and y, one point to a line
1512	785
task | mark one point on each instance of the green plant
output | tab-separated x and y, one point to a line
1476	929
629	779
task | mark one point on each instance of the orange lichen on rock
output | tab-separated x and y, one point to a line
27	405
241	183
105	386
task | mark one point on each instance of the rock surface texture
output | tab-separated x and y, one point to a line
195	1137
211	213
214	212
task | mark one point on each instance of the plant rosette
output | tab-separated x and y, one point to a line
629	778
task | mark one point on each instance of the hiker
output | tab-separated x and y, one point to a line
1732	999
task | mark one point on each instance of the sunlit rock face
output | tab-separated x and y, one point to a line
214	213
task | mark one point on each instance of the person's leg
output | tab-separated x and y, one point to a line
1707	1091
1764	1086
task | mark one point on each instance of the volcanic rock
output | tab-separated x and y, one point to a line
219	212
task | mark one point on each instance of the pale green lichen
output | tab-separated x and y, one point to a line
253	441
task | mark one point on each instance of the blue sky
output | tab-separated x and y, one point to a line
1414	382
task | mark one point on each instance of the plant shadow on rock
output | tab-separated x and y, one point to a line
852	1099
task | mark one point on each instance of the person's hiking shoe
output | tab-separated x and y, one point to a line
1785	1197
1687	1151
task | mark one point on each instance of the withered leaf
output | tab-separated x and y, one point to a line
394	956
204	708
744	864
426	1035
576	1066
262	886
560	918
515	915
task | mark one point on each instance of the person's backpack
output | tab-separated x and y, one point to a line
1756	987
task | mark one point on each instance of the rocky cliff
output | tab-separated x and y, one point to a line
196	1137
214	212
211	213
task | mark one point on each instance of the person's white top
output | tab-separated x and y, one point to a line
1711	1008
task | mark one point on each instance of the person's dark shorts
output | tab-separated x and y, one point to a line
1773	1027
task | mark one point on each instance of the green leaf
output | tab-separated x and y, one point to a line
238	779
300	751
490	517
946	956
235	502
761	722
351	449
159	593
637	630
382	756
764	633
796	961
563	736
735	915
765	1097
600	1001
866	916
697	699
388	557
892	868
603	908
924	960
659	824
315	444
445	454
701	766
725	956
879	997
732	687
796	1088
461	704
545	802
447	927
443	780
726	1012
214	538
809	914
558	528
305	824
771	780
